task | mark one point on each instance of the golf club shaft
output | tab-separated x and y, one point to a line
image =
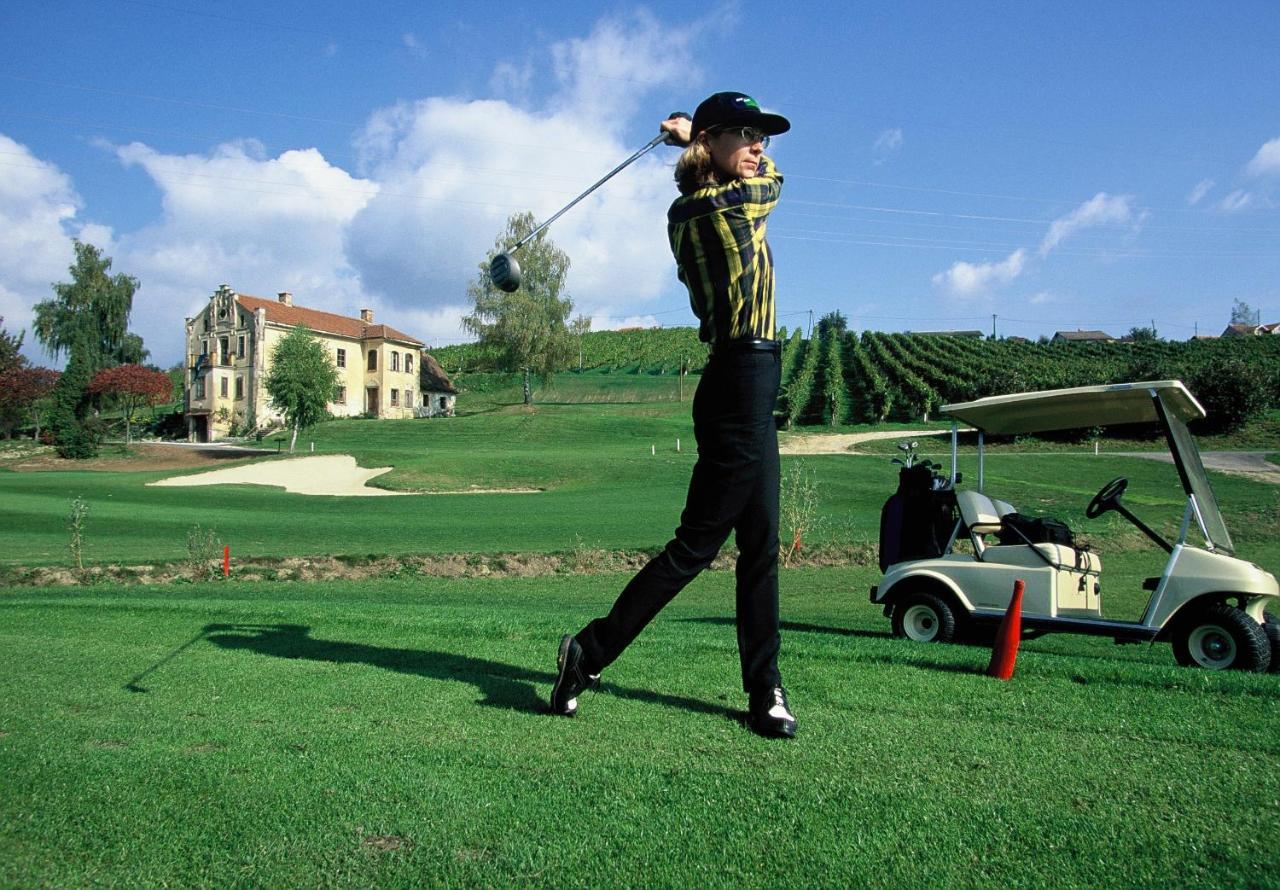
654	143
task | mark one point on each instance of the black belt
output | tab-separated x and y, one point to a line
745	344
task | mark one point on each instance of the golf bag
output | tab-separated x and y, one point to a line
916	522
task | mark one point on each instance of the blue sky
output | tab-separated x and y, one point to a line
1058	165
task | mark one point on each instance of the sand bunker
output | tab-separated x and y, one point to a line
335	474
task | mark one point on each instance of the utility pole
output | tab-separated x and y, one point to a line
993	325
810	336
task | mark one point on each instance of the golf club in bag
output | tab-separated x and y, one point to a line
504	271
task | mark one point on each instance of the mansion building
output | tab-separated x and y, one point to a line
382	371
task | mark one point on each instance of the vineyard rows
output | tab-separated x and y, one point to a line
841	377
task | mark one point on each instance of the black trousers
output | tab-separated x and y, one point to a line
734	488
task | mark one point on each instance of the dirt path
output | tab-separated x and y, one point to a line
843	443
1253	464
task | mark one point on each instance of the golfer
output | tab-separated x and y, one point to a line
728	187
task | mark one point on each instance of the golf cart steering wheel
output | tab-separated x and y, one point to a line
1107	498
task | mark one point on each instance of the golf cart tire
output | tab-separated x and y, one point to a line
924	617
1221	637
1272	628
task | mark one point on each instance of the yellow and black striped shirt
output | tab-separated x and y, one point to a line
718	238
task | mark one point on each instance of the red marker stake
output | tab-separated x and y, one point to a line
226	562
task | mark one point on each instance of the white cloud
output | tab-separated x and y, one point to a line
1267	160
887	143
39	210
452	171
1100	210
1039	299
434	182
1197	194
1237	200
967	279
232	216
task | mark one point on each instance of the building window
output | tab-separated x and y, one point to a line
204	347
373	360
342	358
408	363
408	398
224	350
200	388
342	394
395	397
222	386
239	387
395	360
206	321
240	346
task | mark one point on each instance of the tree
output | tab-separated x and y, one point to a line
1143	334
10	346
88	319
73	433
94	306
1243	313
132	386
528	330
303	380
24	394
834	320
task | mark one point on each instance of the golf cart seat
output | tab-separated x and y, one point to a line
981	515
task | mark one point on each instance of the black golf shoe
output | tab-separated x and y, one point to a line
571	678
770	715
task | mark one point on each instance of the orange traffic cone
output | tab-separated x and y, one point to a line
1005	651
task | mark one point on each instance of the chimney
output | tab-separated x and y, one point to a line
366	315
285	297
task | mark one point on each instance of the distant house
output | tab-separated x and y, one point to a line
229	346
1079	336
976	335
1251	330
1204	337
438	391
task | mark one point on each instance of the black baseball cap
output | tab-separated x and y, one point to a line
736	110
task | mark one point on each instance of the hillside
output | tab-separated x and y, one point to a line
842	377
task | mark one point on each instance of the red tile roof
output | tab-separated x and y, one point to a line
324	322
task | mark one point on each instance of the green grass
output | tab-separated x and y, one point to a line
602	488
394	734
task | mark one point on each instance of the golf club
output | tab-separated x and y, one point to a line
504	271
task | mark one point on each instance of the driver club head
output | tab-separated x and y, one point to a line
504	272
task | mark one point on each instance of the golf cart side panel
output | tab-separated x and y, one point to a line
931	573
1193	573
1074	575
977	585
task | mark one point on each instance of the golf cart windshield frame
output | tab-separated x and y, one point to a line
1195	482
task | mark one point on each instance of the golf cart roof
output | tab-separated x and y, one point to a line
1080	406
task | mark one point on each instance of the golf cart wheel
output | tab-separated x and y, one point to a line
925	618
1222	637
1272	629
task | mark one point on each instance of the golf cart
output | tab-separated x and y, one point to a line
1210	605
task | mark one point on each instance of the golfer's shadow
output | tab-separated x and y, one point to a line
799	627
500	685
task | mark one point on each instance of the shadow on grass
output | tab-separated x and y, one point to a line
799	627
502	685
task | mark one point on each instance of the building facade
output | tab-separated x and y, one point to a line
229	347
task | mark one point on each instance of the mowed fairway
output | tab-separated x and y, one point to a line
393	731
394	734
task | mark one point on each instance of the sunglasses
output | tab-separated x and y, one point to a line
749	135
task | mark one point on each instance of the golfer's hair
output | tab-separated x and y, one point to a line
695	169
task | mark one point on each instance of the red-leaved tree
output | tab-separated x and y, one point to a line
24	392
133	386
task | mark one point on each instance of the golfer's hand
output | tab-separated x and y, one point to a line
678	129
